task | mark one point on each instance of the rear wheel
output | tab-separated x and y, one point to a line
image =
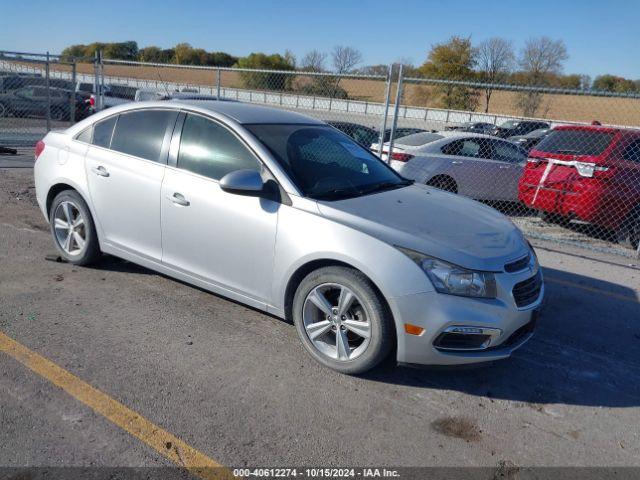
342	321
630	231
74	233
554	218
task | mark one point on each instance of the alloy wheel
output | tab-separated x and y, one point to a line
70	229
336	322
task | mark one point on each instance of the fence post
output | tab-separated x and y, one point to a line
101	60
396	109
47	74
96	81
218	83
72	106
387	98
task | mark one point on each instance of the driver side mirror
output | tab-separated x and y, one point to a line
242	182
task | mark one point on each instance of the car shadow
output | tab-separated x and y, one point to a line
586	351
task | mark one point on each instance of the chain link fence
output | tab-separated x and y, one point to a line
564	165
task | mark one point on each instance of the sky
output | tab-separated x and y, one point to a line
601	36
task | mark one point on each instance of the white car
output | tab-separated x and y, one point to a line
477	166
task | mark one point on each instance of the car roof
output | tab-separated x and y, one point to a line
450	134
246	113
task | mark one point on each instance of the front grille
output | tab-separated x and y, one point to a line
527	292
518	265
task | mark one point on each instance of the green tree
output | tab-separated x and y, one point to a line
452	60
121	50
73	51
266	80
150	54
612	83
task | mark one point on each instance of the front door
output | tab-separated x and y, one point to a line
221	238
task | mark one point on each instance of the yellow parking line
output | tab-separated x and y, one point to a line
617	296
160	440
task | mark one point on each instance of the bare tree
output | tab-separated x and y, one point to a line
495	59
314	61
540	59
345	58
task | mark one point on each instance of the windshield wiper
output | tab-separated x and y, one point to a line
336	193
379	187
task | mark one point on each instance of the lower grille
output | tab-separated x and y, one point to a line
527	292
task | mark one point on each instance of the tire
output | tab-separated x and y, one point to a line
554	218
366	313
629	234
447	184
70	203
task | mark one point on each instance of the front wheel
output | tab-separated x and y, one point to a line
342	320
73	230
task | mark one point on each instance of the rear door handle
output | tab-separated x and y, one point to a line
101	171
456	162
179	199
504	166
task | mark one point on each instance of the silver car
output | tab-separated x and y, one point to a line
284	213
475	165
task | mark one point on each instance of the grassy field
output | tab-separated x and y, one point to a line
577	108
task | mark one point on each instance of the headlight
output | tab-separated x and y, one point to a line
453	280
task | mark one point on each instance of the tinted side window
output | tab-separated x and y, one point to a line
452	148
85	135
141	133
103	131
632	152
209	149
508	153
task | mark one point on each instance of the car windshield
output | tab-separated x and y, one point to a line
324	163
575	142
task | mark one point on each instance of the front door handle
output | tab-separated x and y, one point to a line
504	166
456	162
179	199
101	171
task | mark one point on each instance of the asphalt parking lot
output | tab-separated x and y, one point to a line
174	370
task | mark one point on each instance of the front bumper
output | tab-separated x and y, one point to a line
436	312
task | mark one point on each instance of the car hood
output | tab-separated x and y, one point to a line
436	223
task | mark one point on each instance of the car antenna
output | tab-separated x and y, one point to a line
164	85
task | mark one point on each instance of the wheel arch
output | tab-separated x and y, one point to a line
312	265
444	177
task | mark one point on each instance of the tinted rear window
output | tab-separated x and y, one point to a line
141	133
102	132
419	139
575	142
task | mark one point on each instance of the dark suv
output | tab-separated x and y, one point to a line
511	128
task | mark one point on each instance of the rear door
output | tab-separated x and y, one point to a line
468	166
507	163
125	165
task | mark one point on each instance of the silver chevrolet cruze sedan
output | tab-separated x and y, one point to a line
286	214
